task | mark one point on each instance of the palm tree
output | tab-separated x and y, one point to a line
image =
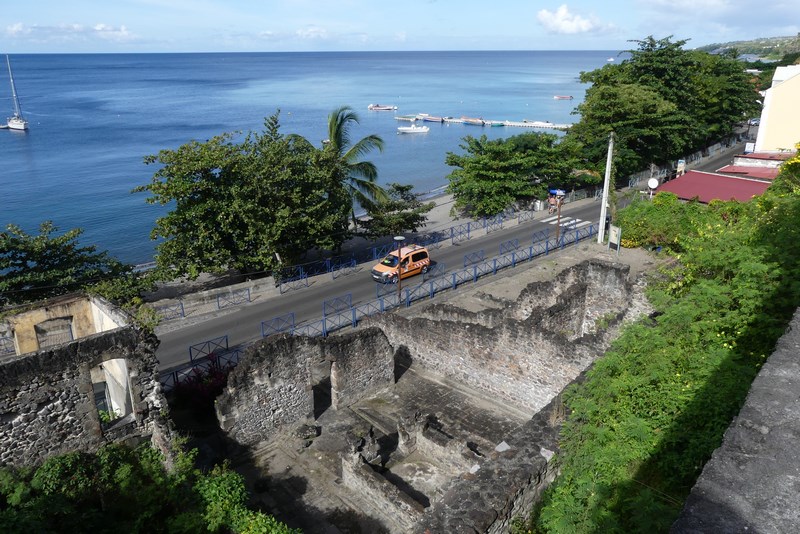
360	175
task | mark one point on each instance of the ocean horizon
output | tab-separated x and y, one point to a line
94	117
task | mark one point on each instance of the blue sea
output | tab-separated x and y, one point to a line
94	117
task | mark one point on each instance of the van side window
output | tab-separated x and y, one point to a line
419	256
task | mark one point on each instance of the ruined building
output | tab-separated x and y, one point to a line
440	419
75	374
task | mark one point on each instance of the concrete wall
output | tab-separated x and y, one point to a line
47	404
779	130
271	388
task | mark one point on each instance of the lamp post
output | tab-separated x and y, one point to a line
398	240
601	231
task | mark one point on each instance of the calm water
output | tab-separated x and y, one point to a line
94	117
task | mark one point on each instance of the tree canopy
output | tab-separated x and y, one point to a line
34	267
663	102
402	212
493	175
238	204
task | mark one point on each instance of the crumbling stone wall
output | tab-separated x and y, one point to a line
271	387
47	405
507	484
525	361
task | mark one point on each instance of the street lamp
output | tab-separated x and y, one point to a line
398	241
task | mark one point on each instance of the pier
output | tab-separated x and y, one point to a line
494	123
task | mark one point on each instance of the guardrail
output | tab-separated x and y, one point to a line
339	312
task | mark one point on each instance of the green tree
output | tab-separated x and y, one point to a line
238	204
40	266
663	102
360	176
492	176
402	212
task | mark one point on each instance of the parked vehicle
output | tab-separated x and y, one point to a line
407	261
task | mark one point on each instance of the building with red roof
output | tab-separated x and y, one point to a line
708	186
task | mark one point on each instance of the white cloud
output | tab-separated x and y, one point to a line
312	33
562	21
69	32
110	33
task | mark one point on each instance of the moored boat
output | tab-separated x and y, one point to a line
472	120
562	97
412	129
431	118
381	107
17	121
409	118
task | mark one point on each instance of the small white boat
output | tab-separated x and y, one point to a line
610	59
381	107
17	122
409	118
562	97
412	129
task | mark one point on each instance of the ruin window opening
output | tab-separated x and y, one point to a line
54	332
112	391
321	387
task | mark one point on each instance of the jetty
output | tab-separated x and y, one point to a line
525	123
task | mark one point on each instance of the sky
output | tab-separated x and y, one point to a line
104	26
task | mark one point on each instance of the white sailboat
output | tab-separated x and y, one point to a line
17	122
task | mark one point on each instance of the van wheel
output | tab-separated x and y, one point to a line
425	269
393	279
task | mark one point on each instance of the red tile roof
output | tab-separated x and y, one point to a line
707	186
758	173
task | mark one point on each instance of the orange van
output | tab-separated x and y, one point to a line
408	261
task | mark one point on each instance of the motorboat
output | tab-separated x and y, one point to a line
409	118
562	97
381	107
412	129
431	118
17	121
471	120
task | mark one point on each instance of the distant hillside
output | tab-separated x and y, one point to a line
766	47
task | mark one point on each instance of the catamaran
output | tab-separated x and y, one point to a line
17	122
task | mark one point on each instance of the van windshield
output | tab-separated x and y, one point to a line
390	261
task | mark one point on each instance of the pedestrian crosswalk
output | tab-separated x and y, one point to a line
568	223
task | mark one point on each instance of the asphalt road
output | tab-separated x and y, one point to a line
243	324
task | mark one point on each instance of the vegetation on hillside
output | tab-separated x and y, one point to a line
127	490
654	408
765	47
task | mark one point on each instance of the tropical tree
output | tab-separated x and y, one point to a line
40	266
663	102
360	176
492	176
248	205
403	212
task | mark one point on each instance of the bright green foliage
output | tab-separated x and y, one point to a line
127	490
359	176
236	205
41	266
655	407
662	103
494	175
402	212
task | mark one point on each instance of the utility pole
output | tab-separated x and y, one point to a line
601	233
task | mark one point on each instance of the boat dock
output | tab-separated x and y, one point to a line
494	123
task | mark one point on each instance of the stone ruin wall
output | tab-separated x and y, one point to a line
385	499
47	404
271	388
524	361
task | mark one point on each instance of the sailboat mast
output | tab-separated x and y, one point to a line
17	110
